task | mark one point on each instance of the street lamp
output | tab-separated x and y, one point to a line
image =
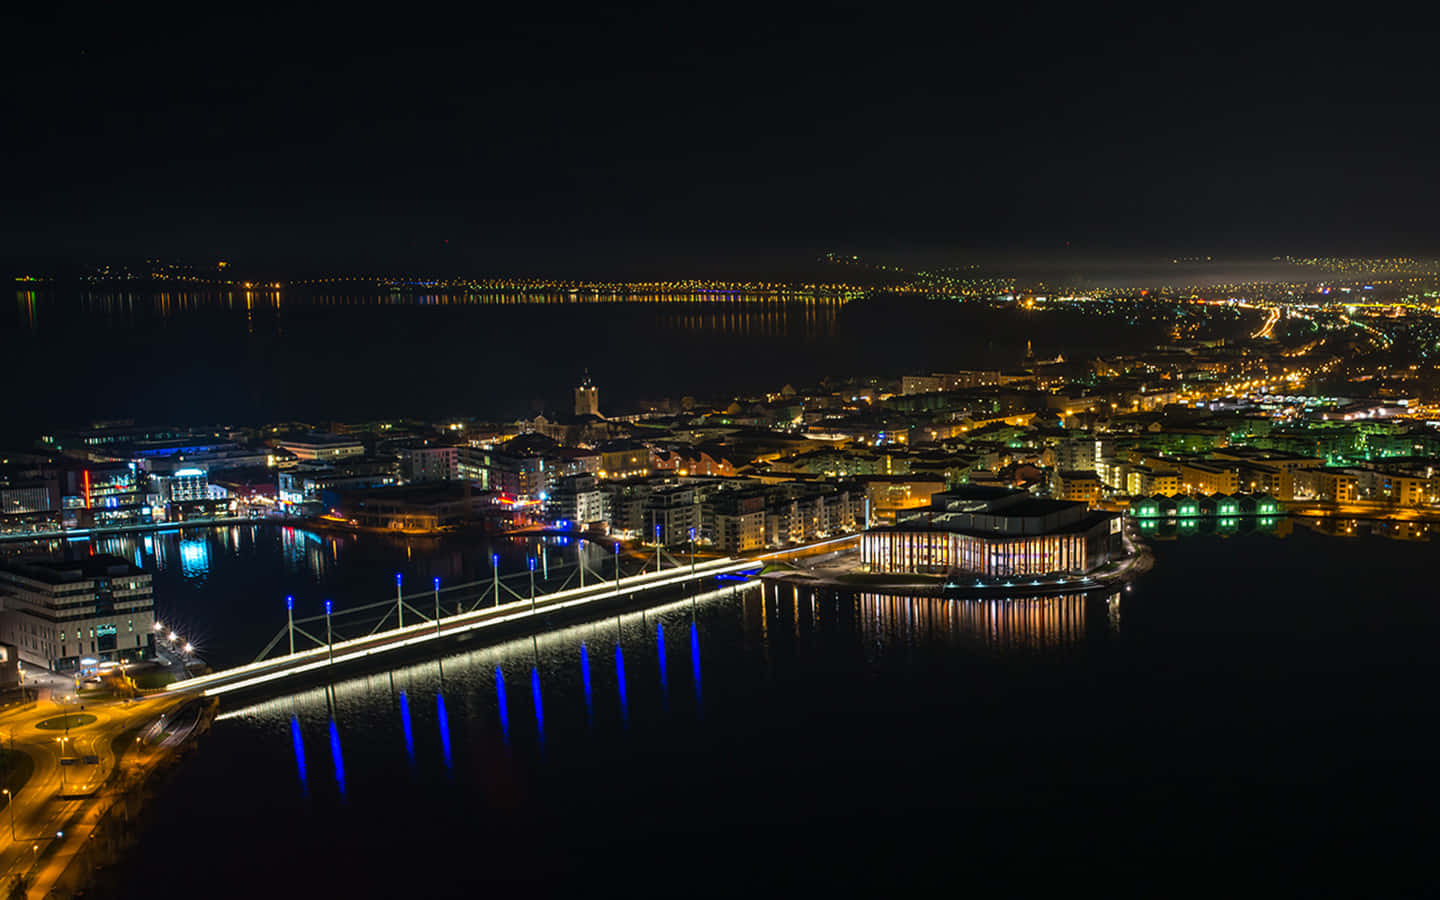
10	804
437	606
61	741
399	605
329	635
495	576
290	621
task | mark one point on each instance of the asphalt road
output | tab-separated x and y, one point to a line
71	769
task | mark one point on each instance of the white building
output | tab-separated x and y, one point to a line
59	613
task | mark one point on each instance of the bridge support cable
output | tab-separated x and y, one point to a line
318	641
480	601
383	619
279	636
427	616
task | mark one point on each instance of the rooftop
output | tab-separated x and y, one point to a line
55	571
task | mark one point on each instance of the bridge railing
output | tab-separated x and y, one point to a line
333	652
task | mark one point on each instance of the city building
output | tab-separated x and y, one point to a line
671	515
1078	486
59	614
577	502
430	463
993	531
411	508
29	505
321	447
102	495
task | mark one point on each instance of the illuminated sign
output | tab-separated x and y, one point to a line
105	631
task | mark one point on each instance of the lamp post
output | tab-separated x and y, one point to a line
290	620
329	635
495	576
10	803
531	560
657	548
399	606
692	552
61	741
617	567
437	606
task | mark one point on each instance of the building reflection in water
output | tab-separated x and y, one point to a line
1040	623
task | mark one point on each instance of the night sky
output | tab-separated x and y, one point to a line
678	139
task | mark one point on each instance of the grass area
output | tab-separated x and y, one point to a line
73	720
17	768
153	679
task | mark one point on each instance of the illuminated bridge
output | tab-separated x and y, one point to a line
477	609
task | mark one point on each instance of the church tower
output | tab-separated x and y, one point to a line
587	398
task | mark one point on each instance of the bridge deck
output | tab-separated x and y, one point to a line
340	652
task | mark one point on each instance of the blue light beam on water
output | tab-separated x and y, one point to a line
539	709
585	675
504	710
338	759
405	725
664	682
620	680
695	663
444	731
299	756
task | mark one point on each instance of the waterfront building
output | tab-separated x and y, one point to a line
102	495
59	614
799	512
411	508
735	520
430	463
576	501
994	531
523	476
671	515
310	486
29	505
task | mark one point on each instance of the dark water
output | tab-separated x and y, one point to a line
1256	714
253	357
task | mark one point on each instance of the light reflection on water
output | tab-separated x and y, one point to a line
564	676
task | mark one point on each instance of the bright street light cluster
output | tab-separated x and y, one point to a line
176	642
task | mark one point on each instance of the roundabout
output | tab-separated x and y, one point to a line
66	722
